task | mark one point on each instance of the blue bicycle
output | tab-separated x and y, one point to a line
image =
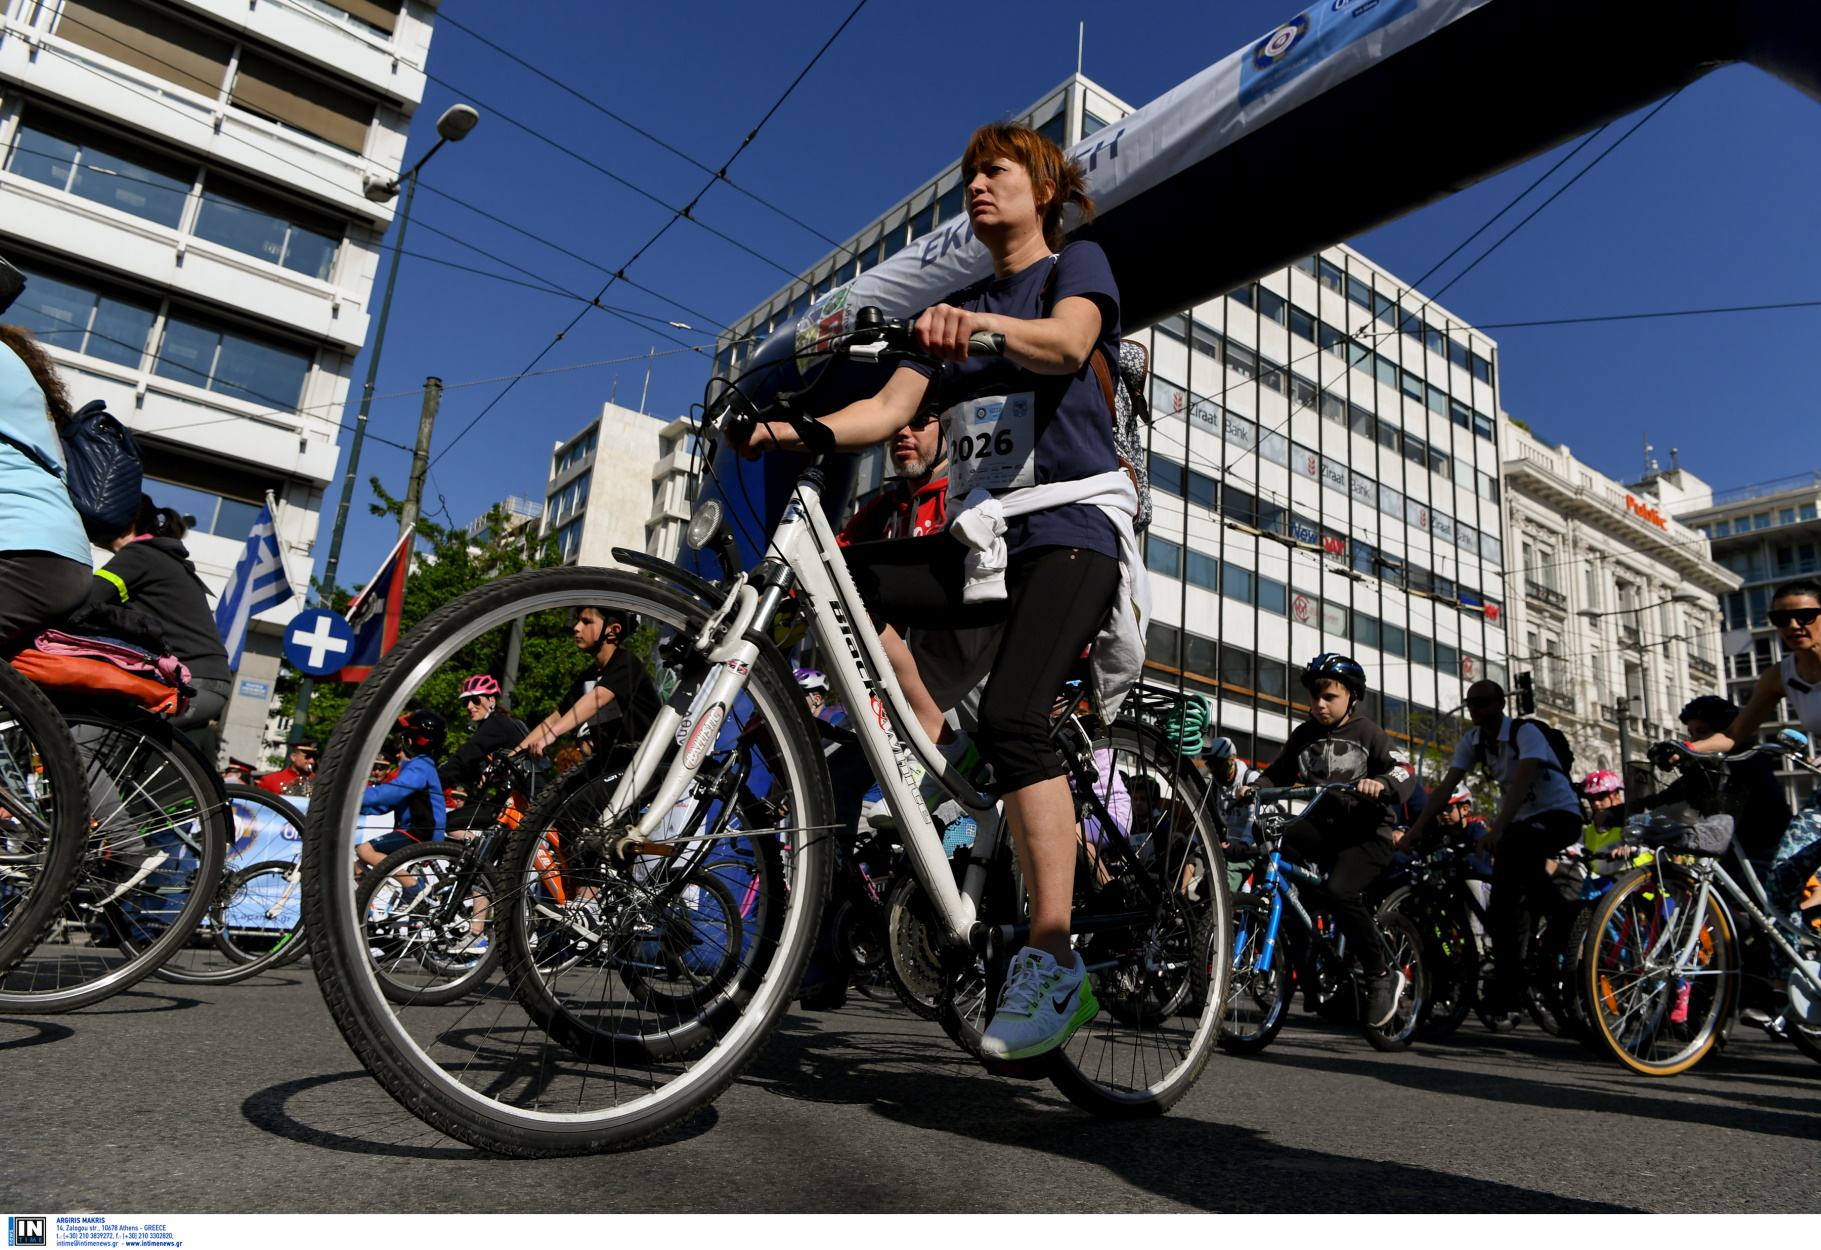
1279	945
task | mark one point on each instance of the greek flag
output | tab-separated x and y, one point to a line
259	582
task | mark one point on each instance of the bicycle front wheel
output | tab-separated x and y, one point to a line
1257	1002
44	816
1659	980
571	1060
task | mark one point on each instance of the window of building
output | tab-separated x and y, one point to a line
1391	639
1365	630
380	15
103	169
1331	277
1162	644
1422	650
149	39
1203	571
249	221
1090	124
231	363
1359	293
951	203
1162	556
1236	583
1271	305
292	98
79	317
1273	596
212	513
1056	128
1239	667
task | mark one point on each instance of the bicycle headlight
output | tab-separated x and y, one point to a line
703	526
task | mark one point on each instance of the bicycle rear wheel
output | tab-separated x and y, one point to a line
44	816
419	907
1450	956
1257	1002
151	869
1654	1009
1161	981
571	1061
1406	957
256	921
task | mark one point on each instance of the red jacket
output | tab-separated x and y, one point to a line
896	513
276	782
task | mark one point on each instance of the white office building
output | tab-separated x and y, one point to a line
625	480
182	182
1614	603
1766	534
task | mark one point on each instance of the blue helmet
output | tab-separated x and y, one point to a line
1332	666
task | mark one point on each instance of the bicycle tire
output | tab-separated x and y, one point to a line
412	946
1805	1037
1406	943
1450	954
38	867
231	963
1631	1004
459	1072
691	976
1270	991
151	867
1162	999
265	951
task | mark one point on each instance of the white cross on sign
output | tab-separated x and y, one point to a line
320	641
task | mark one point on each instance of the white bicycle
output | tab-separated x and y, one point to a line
656	907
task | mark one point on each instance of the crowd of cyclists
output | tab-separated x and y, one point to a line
1033	549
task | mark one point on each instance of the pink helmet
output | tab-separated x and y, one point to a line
480	686
1600	781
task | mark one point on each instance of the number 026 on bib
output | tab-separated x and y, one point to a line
990	443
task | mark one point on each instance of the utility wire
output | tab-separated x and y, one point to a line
662	230
635	188
443	19
1643	316
538	238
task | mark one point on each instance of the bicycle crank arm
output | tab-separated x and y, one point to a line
1086	924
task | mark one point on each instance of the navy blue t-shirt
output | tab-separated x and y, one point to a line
1073	427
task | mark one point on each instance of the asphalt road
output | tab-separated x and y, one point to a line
244	1098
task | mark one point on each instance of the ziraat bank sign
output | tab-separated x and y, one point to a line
1645	511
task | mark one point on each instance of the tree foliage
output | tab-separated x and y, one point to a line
448	563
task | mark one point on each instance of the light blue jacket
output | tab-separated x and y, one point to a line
35	510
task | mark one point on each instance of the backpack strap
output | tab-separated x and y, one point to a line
33	455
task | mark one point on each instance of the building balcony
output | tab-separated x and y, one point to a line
1545	594
1548	696
1706	668
1629	637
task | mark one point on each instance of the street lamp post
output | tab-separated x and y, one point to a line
1624	702
452	127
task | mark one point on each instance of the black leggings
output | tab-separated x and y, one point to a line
38	589
1353	860
1522	889
1057	599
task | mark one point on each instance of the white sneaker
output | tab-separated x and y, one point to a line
1041	1007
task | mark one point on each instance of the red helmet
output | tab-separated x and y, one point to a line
480	686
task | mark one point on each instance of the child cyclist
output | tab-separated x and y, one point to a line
1348	834
413	793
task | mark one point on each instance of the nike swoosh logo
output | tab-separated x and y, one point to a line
1062	1004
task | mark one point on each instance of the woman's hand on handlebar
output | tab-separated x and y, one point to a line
943	330
750	441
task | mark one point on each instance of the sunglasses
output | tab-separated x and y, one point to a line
1783	617
923	420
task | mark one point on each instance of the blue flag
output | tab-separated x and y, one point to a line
259	582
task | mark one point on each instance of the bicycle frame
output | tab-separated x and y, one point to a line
804	554
1773	925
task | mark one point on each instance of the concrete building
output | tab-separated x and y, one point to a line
1613	602
601	493
1325	463
1765	534
182	182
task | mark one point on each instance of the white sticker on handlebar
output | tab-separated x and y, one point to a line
992	444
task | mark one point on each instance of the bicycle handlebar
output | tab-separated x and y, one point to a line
1292	794
1671	754
873	340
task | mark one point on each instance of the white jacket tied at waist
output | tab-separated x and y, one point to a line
952	662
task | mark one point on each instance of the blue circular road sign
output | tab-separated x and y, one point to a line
319	642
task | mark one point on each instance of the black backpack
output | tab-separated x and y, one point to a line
1557	740
106	472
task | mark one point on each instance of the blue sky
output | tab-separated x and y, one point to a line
1712	203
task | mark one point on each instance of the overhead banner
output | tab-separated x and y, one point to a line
1291	65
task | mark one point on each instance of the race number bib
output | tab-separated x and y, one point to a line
992	444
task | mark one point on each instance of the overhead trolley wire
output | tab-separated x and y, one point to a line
678	215
443	19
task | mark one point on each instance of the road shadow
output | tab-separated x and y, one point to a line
41	1031
142	1002
1610	1096
379	1126
918	1080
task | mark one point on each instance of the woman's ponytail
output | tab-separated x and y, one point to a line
159	522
